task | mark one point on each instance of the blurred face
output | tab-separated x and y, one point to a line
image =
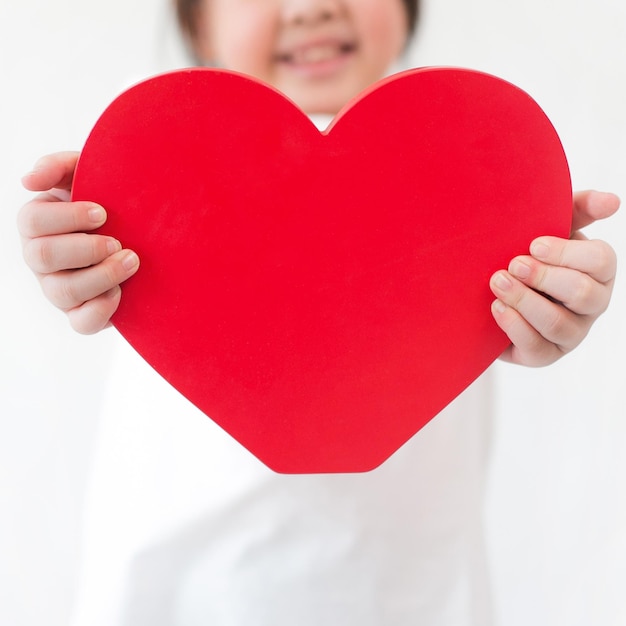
320	53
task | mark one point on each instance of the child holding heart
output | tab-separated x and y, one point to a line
401	545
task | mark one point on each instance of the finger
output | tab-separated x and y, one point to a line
528	346
593	257
52	170
71	288
590	206
47	216
553	321
95	314
578	291
46	255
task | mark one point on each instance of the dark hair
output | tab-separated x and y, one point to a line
187	10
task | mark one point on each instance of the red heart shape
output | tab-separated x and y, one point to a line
322	295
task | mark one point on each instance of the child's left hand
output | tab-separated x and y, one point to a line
547	301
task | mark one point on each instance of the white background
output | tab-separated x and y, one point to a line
557	510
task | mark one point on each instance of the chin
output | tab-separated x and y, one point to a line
322	103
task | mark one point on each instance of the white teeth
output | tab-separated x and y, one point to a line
316	54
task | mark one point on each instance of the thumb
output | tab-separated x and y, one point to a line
590	206
52	171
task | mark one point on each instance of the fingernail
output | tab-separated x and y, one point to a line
539	250
130	261
502	281
36	167
498	306
29	174
519	269
96	214
113	246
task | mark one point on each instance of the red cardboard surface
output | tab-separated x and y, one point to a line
322	295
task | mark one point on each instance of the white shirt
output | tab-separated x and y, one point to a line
185	527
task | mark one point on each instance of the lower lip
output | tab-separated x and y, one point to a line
320	69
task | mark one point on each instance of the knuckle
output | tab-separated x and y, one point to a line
109	274
29	221
39	255
92	316
94	246
74	220
518	298
541	277
83	322
555	325
97	248
558	330
59	288
78	216
564	329
533	348
584	294
605	259
47	256
78	323
528	343
517	302
536	344
561	248
30	255
600	260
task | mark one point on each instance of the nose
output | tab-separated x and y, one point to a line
310	11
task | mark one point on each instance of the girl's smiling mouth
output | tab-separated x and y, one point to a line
317	58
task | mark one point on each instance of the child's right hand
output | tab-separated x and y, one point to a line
79	273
